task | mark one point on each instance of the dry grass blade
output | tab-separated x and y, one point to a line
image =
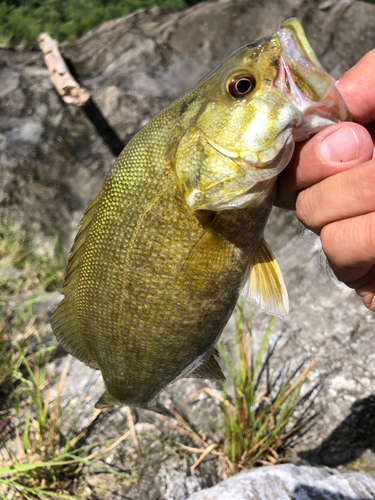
94	415
132	429
109	448
256	421
197	450
210	392
302	377
206	452
186	429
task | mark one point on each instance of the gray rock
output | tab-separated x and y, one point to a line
325	312
45	304
292	482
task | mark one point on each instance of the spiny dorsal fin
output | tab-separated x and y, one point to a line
209	368
265	286
63	319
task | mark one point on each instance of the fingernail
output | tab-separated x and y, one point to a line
340	146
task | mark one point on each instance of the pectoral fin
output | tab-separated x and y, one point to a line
265	285
209	368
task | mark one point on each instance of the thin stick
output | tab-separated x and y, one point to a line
67	87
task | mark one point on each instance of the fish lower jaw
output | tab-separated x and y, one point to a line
254	195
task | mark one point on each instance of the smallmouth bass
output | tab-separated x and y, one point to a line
176	232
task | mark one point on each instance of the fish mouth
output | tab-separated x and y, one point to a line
302	79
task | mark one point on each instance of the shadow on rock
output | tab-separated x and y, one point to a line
305	492
93	113
349	440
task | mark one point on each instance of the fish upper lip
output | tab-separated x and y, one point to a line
298	58
240	161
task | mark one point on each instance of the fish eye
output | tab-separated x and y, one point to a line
239	86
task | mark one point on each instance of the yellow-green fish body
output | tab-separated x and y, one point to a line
165	249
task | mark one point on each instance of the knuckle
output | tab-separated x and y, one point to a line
305	209
366	238
364	183
328	237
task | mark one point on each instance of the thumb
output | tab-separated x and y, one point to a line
334	149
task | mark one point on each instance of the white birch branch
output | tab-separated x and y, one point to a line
67	87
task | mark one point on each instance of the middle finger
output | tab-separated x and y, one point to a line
347	194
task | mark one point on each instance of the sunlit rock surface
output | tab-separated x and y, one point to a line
284	482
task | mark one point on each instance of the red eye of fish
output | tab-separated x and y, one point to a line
241	85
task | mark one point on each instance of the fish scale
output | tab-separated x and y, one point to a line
176	232
155	230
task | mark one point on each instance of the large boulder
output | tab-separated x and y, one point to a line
291	482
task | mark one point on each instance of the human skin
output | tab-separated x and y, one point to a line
330	183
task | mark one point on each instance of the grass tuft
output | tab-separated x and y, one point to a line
260	418
44	462
25	275
40	457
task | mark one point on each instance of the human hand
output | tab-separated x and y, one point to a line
330	182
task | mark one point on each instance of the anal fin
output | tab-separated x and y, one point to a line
209	368
106	400
265	286
157	407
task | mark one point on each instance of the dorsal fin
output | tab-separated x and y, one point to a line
265	285
63	320
209	368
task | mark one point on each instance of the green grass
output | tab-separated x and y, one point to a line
38	433
261	415
24	276
22	268
64	21
257	419
45	463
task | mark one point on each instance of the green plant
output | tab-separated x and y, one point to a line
22	268
64	21
41	445
256	420
24	276
46	463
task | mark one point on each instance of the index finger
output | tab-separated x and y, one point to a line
357	87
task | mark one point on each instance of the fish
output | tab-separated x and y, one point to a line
176	233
